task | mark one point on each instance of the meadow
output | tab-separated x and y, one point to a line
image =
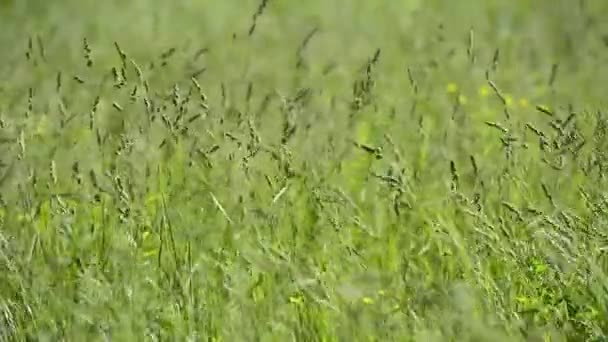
303	171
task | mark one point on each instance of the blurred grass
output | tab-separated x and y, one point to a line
303	187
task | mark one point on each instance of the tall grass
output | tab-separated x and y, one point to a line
324	171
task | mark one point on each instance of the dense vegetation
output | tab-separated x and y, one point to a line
311	171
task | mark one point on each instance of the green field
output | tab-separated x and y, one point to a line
303	171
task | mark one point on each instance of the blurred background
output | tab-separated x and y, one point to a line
528	33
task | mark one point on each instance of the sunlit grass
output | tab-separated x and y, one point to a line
321	171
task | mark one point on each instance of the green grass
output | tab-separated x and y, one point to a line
341	170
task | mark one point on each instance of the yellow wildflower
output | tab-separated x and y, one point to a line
484	91
368	300
452	88
523	103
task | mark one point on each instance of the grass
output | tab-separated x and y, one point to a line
320	171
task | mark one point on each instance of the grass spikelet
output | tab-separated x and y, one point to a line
87	52
260	10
